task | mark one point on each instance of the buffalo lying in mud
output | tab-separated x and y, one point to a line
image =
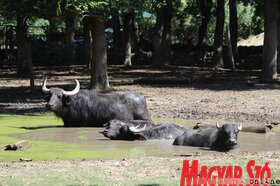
118	130
90	108
220	137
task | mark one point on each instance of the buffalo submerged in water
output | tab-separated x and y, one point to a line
141	130
90	108
222	138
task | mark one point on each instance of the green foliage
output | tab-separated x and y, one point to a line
187	19
250	22
37	28
23	7
147	24
82	7
185	23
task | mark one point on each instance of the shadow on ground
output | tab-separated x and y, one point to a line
17	99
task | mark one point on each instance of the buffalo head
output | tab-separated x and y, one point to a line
229	133
118	130
57	96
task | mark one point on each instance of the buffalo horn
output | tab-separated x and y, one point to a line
44	87
73	92
121	123
239	127
217	125
136	129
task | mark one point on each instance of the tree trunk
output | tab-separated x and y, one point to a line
88	41
218	38
230	52
49	38
278	38
162	35
205	8
269	68
21	35
116	35
28	61
99	76
69	41
136	34
128	24
24	56
9	35
233	26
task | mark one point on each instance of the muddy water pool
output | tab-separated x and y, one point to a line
90	139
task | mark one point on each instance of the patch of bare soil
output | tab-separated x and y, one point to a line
252	40
171	92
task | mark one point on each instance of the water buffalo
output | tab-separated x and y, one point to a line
220	137
90	108
118	130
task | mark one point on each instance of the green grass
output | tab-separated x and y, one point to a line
142	171
13	125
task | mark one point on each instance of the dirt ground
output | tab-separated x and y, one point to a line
146	171
256	40
171	92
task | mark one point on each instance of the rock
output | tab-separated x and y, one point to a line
25	159
246	128
257	128
18	146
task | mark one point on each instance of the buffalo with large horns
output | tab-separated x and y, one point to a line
91	108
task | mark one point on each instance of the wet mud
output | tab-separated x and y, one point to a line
90	139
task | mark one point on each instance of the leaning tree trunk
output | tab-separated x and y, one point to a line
269	68
128	24
88	41
205	8
233	25
21	35
28	59
218	38
136	35
24	56
117	48
278	38
50	32
99	76
161	35
230	52
69	42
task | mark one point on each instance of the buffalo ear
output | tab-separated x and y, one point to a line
124	129
66	100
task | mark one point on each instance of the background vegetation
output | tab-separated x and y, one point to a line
68	32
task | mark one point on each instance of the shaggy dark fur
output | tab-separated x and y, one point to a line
224	138
117	130
90	108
